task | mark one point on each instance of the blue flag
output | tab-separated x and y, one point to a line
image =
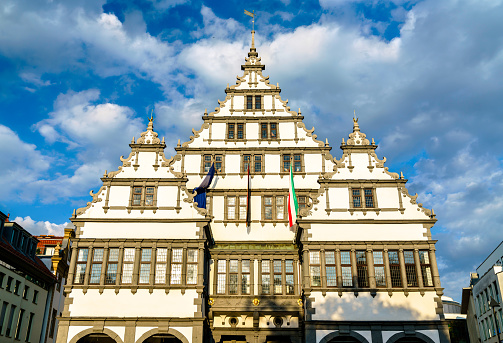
200	191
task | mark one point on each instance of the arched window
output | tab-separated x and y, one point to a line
162	338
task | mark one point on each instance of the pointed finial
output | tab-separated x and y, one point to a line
227	85
132	141
401	175
373	143
326	141
277	84
205	111
152	115
343	141
178	145
74	213
432	213
163	139
299	111
105	175
354	116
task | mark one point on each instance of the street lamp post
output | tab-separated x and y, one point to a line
493	303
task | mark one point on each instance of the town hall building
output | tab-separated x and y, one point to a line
149	264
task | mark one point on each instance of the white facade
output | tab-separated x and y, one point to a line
147	261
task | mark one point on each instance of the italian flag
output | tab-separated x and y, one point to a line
293	206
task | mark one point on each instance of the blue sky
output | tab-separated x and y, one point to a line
79	78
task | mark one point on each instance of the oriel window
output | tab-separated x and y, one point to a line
289	277
80	268
146	258
330	268
347	273
176	266
113	259
361	269
221	276
94	278
192	266
410	268
161	260
277	274
127	265
424	260
394	268
233	276
266	277
379	272
245	277
314	268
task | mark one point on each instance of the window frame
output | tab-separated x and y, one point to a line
251	162
411	281
268	127
112	260
395	271
213	159
265	275
250	102
274	208
96	266
426	268
362	197
379	263
332	281
243	273
83	264
238	206
344	267
236	131
291	158
192	261
145	268
145	191
362	268
315	264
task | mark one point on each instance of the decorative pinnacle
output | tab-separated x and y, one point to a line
132	141
326	141
178	145
401	175
150	126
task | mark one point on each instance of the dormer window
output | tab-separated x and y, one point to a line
253	102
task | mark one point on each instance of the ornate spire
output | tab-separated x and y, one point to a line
357	137
149	136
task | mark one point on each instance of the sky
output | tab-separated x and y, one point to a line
78	79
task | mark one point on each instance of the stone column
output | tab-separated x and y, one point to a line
73	262
323	273
434	267
402	268
88	265
338	267
418	268
354	272
387	268
370	266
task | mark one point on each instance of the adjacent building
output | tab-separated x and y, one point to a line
54	252
482	300
25	286
149	264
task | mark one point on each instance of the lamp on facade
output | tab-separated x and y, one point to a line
492	304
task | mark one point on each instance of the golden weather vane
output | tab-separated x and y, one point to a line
251	14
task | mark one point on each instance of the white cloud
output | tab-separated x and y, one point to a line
37	228
22	164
